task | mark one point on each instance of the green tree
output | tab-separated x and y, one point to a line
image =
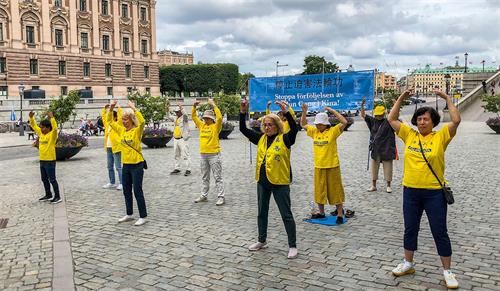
492	103
153	108
228	104
389	98
314	65
63	107
243	81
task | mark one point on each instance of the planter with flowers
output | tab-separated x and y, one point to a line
255	125
492	104
67	145
334	121
156	137
227	128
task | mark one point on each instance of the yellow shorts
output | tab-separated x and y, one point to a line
328	186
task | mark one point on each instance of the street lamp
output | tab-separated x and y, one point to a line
447	79
278	66
466	55
21	94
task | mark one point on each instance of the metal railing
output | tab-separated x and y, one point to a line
475	93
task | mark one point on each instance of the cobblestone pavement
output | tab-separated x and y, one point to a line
202	246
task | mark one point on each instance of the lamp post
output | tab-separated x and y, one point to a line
278	66
466	55
417	92
21	94
447	79
483	61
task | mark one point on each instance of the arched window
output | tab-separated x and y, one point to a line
4	30
31	28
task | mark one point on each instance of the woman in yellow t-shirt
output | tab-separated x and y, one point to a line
327	178
112	148
130	135
422	190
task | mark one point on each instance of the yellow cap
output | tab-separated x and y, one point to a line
379	110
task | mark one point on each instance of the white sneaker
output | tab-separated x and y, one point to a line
389	189
140	221
201	199
126	218
109	186
119	187
404	268
257	246
449	278
220	201
293	253
372	189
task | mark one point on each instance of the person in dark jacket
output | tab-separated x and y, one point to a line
382	145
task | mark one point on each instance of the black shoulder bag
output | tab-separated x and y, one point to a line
145	164
447	192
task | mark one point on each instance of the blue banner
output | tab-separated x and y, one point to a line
340	91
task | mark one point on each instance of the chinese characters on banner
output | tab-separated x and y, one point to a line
340	91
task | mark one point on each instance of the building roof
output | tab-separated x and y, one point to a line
453	70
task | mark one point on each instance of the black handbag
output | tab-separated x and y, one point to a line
447	192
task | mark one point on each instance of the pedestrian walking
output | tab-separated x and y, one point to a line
328	186
130	134
382	145
273	172
423	178
181	136
210	128
112	146
47	138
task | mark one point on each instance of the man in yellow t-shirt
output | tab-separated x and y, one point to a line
327	178
47	138
181	136
210	128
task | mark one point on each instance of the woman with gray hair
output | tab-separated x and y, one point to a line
273	172
130	134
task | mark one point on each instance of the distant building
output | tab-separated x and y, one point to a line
385	81
168	58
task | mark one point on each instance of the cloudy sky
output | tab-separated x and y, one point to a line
390	35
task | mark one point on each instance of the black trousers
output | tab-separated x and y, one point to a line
132	175
48	173
281	194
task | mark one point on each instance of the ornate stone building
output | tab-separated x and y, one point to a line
168	58
106	46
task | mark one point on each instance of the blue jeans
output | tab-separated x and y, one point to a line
415	201
114	161
132	177
48	173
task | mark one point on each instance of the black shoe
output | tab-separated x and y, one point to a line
45	198
340	220
188	172
317	215
175	172
56	200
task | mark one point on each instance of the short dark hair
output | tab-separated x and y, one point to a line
115	114
46	123
422	110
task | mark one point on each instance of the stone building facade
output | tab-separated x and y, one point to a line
168	58
106	46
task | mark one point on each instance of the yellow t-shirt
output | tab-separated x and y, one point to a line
286	125
177	128
325	146
111	138
46	142
416	172
209	134
128	139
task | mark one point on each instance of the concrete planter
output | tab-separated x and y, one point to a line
156	142
65	153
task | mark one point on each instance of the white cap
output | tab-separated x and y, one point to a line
321	118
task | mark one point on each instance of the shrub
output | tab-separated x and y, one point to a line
156	132
67	140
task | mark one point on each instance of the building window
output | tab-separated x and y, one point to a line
3	65
126	45
105	42
58	3
30	34
83	5
146	72
110	91
84	40
129	90
3	90
64	90
144	14
59	37
86	69
124	10
144	46
107	70
128	71
62	68
104	7
33	67
148	90
1	31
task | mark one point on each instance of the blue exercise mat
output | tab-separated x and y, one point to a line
328	220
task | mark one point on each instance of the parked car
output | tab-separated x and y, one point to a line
415	100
